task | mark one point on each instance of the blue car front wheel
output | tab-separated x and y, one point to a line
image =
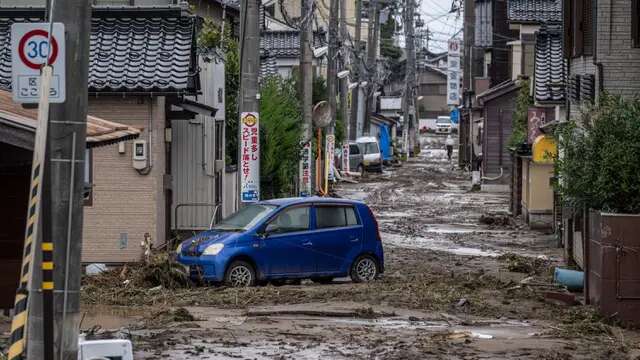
240	274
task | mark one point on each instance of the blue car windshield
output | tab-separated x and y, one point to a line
245	218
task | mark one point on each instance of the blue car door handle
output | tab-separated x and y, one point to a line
354	238
307	243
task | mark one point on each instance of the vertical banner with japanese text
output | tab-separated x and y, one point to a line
345	158
249	157
536	118
329	152
453	72
305	169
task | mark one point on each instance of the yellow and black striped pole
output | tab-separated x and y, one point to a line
19	323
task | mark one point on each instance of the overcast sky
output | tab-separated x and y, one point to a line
441	24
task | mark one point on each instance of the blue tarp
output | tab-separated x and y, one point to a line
385	142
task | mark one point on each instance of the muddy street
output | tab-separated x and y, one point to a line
462	281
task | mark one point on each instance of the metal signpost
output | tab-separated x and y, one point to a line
30	49
249	157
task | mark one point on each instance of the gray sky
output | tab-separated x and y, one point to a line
442	25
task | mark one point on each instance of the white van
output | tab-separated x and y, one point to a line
372	158
443	125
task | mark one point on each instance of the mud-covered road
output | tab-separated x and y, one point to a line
454	288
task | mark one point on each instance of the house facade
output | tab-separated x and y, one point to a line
602	48
602	45
17	137
144	72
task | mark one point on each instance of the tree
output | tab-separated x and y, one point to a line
387	36
520	120
210	38
280	136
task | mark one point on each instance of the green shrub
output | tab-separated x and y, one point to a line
599	163
520	122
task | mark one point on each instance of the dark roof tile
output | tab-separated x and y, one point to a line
128	53
537	11
550	65
285	44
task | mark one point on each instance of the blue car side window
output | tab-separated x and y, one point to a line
291	220
352	219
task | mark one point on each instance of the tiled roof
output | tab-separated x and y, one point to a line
537	11
268	66
99	131
285	44
282	44
131	50
550	66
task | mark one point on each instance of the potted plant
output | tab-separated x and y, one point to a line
599	169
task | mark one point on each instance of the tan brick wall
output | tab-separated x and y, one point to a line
124	201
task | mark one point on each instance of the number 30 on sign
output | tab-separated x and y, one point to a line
30	49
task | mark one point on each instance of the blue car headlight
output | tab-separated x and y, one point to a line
179	249
213	249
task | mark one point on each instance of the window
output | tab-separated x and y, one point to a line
291	220
219	139
371	148
484	24
335	216
582	27
635	23
364	14
88	177
245	218
351	216
354	149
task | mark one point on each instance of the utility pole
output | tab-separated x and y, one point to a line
332	63
306	71
306	77
249	68
64	180
344	82
372	54
410	76
466	128
356	70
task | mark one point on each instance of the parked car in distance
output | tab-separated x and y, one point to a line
443	125
292	238
427	125
371	153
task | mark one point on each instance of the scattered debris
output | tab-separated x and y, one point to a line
363	313
561	298
525	264
496	220
95	269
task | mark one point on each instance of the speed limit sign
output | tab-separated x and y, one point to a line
30	49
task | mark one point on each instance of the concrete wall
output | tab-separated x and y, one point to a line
125	204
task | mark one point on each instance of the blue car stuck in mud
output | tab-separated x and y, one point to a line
282	239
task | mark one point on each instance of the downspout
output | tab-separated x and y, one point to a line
147	170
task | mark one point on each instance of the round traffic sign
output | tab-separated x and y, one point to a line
33	48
